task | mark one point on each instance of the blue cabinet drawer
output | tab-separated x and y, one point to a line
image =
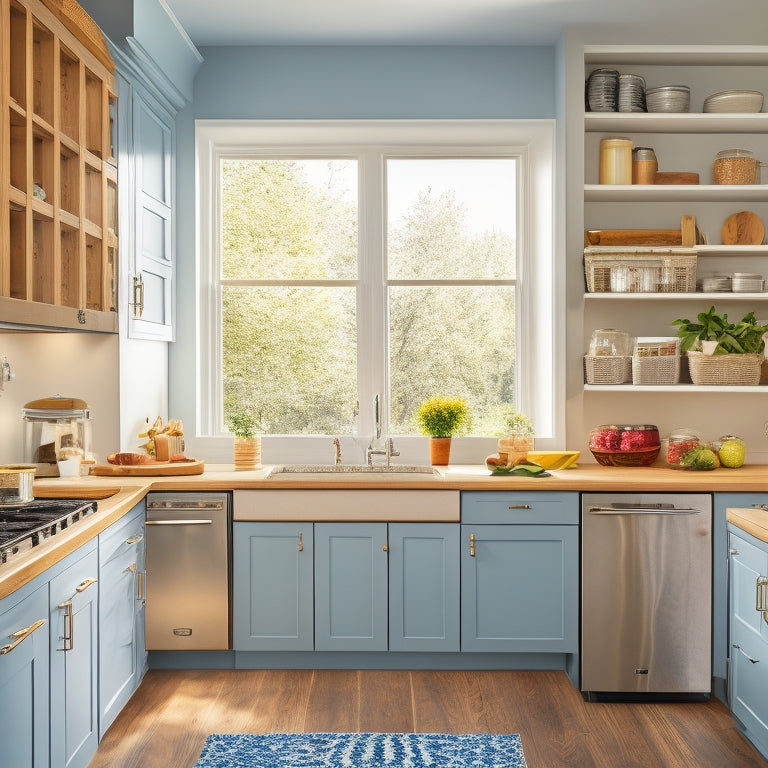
519	507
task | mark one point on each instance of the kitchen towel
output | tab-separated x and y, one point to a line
362	750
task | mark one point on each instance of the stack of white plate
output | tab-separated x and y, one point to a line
602	87
631	93
746	282
734	101
668	98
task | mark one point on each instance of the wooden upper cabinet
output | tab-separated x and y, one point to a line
58	173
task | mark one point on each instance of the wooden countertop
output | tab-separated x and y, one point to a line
118	495
753	521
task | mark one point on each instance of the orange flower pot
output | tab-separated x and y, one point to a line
439	450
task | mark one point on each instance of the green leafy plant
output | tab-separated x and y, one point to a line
242	425
517	423
443	416
743	337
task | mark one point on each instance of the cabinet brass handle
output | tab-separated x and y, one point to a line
746	655
83	585
69	628
761	596
385	548
471	544
134	539
140	593
20	636
301	541
519	506
733	553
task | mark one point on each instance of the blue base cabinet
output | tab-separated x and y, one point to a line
273	587
424	587
24	679
748	673
519	572
351	587
74	603
122	657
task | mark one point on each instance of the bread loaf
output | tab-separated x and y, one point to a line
129	458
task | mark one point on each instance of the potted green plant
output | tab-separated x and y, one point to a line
247	447
518	436
720	352
441	418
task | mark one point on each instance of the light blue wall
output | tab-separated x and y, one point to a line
338	83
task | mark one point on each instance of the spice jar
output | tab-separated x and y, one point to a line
644	165
616	160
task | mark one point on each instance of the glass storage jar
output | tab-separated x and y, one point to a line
681	442
616	160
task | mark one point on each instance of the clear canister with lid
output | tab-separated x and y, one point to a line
644	165
616	160
736	166
53	427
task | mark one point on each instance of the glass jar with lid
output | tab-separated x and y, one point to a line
681	442
735	166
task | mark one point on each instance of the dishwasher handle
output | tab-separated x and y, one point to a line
179	522
643	509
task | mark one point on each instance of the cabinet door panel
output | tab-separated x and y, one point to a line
519	588
272	592
350	587
74	673
423	587
24	684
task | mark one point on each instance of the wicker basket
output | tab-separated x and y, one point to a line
649	346
725	370
661	370
640	270
608	369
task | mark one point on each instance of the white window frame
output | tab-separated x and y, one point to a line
539	304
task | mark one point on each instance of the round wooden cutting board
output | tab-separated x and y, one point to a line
743	228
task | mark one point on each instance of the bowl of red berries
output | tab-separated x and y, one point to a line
625	445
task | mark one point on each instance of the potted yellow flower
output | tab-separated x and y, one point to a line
441	418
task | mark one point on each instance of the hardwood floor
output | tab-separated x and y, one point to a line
166	722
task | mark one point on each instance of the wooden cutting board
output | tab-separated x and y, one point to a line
158	468
743	228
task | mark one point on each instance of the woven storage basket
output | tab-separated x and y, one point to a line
725	370
640	270
661	370
608	369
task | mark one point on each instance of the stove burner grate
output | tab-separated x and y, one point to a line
27	525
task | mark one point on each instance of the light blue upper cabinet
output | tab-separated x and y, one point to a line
423	587
24	660
272	587
748	672
350	586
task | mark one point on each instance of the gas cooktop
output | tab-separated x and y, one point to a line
30	524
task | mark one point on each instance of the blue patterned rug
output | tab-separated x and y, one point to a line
362	750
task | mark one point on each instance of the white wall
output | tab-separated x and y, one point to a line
82	365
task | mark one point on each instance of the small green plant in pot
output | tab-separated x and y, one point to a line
247	448
441	418
744	337
518	439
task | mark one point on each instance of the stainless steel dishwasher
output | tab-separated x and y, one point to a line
188	571
646	596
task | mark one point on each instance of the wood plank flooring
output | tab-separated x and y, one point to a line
166	722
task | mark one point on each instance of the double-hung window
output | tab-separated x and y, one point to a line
344	260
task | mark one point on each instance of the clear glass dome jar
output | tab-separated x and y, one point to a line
680	443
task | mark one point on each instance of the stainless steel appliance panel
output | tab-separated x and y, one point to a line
646	593
188	571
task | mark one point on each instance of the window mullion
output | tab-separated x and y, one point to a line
371	301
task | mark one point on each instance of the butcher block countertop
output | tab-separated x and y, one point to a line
118	495
753	521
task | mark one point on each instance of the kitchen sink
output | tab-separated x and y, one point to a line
352	469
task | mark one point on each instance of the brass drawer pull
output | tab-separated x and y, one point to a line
519	506
471	544
20	636
301	541
83	585
134	539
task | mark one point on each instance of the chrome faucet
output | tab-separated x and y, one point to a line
379	446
